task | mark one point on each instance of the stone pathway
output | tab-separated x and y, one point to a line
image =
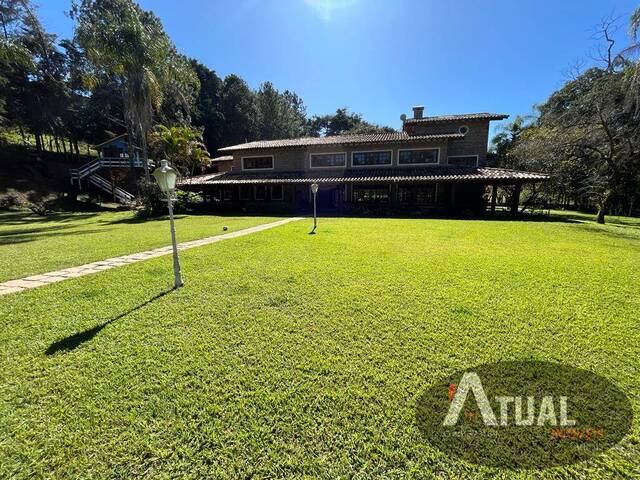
21	284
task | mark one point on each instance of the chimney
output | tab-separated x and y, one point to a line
418	110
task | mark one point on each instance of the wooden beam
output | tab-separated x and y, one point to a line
515	198
494	197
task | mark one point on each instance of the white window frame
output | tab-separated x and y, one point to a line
390	164
278	199
311	154
416	149
461	156
273	160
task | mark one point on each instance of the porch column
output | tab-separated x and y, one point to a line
515	199
452	198
494	197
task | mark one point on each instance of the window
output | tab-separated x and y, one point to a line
226	194
372	194
417	194
327	160
359	159
260	192
257	163
276	192
463	129
463	160
245	192
418	157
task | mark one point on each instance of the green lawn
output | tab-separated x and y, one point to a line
31	244
296	355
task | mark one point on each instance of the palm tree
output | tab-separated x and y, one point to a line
182	146
130	44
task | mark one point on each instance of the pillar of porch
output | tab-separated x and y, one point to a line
515	198
494	197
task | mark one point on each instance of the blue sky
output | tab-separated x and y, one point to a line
380	57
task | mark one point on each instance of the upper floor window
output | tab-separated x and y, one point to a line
418	157
463	160
380	157
463	129
257	163
327	160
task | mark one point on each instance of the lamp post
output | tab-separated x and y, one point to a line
314	191
166	178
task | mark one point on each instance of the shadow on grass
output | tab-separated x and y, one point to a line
23	218
74	341
22	236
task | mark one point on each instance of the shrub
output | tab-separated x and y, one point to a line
39	203
152	200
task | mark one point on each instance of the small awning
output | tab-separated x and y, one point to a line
436	174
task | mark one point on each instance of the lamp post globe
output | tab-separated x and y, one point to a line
166	178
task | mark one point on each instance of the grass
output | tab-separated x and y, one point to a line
62	240
296	355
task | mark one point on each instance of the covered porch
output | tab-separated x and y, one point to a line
469	190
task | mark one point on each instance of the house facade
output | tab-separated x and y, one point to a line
433	164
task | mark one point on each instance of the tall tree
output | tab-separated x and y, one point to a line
239	110
279	115
124	41
207	112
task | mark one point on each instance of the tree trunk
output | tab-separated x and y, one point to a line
603	207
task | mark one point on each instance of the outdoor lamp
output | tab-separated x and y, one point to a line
314	190
166	178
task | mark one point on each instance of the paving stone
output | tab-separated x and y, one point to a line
23	283
7	290
19	285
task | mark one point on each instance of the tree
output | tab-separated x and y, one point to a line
239	111
124	41
633	96
341	123
182	146
279	115
588	140
207	112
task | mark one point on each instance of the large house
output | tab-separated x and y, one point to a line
435	163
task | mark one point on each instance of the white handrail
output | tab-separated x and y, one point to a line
120	194
94	165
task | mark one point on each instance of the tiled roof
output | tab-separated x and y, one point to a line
224	158
443	173
464	116
392	137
